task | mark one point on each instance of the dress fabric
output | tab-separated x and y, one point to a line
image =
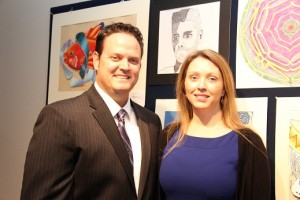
200	168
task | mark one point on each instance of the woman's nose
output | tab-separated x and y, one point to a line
201	84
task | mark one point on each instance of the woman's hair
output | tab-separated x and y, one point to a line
227	102
118	27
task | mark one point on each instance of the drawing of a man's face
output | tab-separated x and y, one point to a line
186	32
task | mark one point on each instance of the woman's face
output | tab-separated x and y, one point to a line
204	85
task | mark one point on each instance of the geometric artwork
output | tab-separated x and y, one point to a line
246	117
294	144
287	148
252	112
269	40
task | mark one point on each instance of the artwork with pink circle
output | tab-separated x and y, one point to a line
268	44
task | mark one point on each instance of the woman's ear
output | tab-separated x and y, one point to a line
223	93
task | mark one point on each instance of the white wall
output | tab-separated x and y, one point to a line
24	43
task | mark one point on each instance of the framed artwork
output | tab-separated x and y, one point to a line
268	44
180	27
252	112
167	110
72	41
287	148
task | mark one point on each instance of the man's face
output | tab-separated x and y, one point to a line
119	65
185	40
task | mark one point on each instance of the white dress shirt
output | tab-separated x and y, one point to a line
132	130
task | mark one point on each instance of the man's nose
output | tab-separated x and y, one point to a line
180	42
124	64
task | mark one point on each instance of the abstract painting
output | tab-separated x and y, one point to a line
268	44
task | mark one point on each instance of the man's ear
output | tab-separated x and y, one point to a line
201	34
96	60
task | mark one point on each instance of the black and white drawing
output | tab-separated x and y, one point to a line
182	31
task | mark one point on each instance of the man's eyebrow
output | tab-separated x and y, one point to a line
187	32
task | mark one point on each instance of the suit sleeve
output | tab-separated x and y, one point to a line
50	159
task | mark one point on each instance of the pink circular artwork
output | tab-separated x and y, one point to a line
269	38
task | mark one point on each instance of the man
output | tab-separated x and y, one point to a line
186	36
77	151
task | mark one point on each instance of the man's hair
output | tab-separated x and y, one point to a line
118	27
186	14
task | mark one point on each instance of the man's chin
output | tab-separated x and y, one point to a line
181	56
180	59
123	88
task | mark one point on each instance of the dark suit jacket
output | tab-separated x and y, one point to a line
76	152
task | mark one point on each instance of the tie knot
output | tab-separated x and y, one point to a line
121	114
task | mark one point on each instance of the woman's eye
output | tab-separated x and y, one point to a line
193	77
212	78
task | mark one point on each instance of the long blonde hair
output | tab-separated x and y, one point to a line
227	102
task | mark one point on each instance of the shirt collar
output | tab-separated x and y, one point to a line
112	105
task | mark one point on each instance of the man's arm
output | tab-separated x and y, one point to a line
50	159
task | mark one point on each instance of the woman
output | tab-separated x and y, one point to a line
208	153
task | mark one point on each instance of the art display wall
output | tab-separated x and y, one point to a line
260	40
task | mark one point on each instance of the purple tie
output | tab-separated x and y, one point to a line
121	126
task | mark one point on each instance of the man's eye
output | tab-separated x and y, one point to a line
114	58
134	61
175	38
188	36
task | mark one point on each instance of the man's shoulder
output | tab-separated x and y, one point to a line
143	111
140	108
77	102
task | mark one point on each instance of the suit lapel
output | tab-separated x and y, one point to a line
146	148
107	123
